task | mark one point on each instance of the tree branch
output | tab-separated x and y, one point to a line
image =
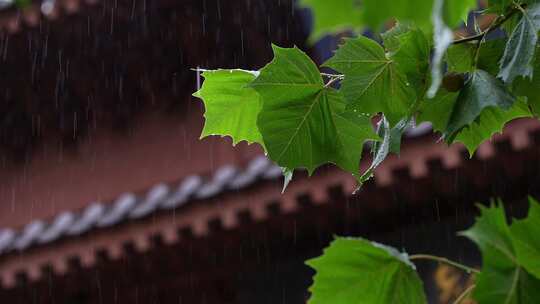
464	294
444	261
332	78
496	24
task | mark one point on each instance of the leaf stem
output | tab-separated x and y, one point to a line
331	81
464	294
333	78
332	75
444	261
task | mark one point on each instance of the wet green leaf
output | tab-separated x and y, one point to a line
456	11
411	54
526	239
373	83
502	280
519	53
481	91
231	106
303	123
333	16
377	12
460	57
354	270
490	121
530	88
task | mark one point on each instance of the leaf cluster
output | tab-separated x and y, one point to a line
355	270
413	71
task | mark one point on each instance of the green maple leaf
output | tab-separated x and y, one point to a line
481	91
456	11
231	106
304	123
373	83
437	110
460	57
333	16
376	12
502	279
529	88
410	50
498	6
352	271
526	239
490	121
391	37
518	55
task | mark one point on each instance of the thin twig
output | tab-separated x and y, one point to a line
464	294
332	75
468	39
332	81
520	8
496	24
444	261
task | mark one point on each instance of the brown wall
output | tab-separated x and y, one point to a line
106	164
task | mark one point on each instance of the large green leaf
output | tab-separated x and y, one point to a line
353	271
460	57
373	83
526	239
231	106
333	16
481	91
498	6
377	12
304	123
519	52
530	88
411	53
437	111
502	280
392	37
456	11
490	121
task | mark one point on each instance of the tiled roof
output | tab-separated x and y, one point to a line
129	206
424	168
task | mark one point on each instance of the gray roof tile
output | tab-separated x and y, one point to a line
119	210
58	227
87	220
29	235
151	202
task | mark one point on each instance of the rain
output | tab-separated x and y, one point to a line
108	193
